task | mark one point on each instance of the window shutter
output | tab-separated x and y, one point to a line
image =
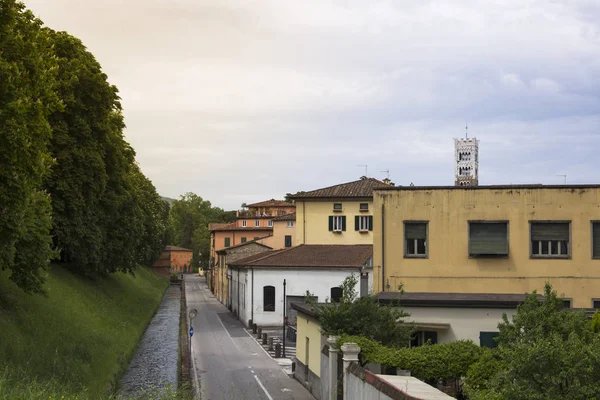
549	231
330	223
343	223
415	230
288	241
488	238
356	223
596	239
370	222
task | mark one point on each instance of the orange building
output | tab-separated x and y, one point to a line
174	259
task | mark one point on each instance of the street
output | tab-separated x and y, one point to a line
227	363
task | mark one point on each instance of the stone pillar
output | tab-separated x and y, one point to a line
333	360
350	351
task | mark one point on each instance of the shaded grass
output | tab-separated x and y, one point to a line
76	341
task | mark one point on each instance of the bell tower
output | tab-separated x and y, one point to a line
466	153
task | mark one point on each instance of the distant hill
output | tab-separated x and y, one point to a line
168	200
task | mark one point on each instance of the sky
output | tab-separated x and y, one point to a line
240	101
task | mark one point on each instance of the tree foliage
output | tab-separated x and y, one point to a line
362	316
68	179
545	352
189	219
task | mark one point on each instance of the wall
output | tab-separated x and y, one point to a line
465	323
318	281
280	230
308	326
448	267
312	222
237	235
181	260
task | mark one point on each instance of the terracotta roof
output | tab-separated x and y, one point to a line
361	188
287	217
246	244
312	255
175	248
271	203
217	226
465	300
233	227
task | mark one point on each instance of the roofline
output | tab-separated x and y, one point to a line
224	250
450	303
300	195
320	268
241	228
489	187
304	309
269	201
317	198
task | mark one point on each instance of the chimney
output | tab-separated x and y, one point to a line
388	182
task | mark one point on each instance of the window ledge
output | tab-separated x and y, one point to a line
551	257
364	231
334	210
488	255
364	210
337	231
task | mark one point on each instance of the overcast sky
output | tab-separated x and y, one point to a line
240	101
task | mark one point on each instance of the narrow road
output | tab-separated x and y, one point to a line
228	363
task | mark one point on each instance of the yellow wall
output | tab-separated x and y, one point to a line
309	327
312	222
448	267
280	230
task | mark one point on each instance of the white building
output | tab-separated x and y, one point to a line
257	281
466	156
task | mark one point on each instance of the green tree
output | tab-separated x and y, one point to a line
545	352
362	316
27	76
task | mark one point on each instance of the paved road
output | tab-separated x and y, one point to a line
228	363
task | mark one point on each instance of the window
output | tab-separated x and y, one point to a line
290	224
244	223
488	239
550	240
363	223
363	207
487	339
596	304
257	223
243	240
337	206
270	224
595	239
288	240
337	223
415	239
268	298
336	294
419	338
227	242
566	303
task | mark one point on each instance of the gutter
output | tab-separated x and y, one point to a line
383	247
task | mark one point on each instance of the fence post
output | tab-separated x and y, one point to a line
333	375
350	351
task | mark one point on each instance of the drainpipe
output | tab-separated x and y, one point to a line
383	247
252	299
238	295
304	224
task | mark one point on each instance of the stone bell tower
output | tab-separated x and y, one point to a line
466	154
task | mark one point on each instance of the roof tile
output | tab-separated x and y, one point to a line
360	188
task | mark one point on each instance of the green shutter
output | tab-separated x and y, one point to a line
227	242
356	223
330	223
550	231
488	238
370	222
596	239
343	223
415	230
288	241
486	339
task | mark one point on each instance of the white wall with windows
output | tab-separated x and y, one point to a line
319	281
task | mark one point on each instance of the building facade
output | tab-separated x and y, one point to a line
284	232
340	214
174	259
466	156
489	239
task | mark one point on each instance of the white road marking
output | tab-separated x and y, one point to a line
262	387
202	291
262	348
226	331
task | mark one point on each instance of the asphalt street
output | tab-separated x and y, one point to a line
228	364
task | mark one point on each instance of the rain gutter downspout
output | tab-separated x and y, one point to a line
383	247
252	300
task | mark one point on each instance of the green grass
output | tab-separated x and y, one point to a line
77	341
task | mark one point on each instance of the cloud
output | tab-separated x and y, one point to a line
240	100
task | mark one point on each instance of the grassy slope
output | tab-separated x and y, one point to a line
77	339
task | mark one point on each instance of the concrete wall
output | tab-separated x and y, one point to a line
448	267
280	230
465	323
312	222
318	281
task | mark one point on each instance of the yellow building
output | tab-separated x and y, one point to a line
284	232
309	342
489	239
340	214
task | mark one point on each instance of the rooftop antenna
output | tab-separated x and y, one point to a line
466	130
363	165
564	176
387	172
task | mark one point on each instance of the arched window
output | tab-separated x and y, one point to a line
336	294
269	298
